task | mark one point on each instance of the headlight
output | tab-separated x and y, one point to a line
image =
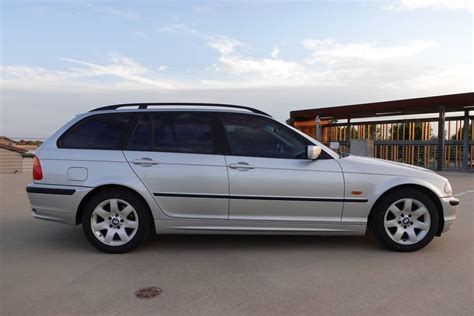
447	188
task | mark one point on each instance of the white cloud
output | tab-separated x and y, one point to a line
255	71
31	74
451	79
348	63
178	28
124	68
120	72
460	5
333	73
275	52
266	69
329	51
315	43
121	66
224	45
329	63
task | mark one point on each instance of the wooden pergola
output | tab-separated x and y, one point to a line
463	102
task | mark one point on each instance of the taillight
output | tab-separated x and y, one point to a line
37	172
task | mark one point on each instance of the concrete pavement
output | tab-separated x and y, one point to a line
49	268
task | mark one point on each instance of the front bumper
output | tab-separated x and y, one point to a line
57	203
450	206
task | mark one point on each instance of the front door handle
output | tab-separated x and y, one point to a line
144	161
241	165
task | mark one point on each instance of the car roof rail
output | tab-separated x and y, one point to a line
143	106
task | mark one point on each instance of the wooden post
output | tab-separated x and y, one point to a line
456	136
348	135
440	155
465	137
412	150
447	151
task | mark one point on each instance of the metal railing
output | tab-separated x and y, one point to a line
411	141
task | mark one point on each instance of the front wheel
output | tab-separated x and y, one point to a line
116	221
405	220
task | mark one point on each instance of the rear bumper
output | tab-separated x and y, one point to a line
450	206
55	202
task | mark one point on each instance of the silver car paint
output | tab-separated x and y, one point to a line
333	178
375	176
179	173
290	178
57	208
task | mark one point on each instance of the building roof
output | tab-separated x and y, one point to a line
12	148
451	102
4	138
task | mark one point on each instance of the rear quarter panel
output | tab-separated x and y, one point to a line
104	167
65	167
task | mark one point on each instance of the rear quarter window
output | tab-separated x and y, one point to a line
102	131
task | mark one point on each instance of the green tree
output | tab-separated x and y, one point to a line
396	131
459	133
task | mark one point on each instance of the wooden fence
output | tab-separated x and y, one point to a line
409	141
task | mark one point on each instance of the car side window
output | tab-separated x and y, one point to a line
180	132
141	135
96	132
255	136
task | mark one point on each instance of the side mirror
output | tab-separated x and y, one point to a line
313	152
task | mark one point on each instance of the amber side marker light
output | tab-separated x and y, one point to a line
37	172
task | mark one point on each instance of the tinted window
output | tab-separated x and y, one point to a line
97	132
259	137
141	136
175	132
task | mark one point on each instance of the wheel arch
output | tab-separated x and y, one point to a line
432	195
97	190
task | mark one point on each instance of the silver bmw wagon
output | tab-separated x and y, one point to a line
125	171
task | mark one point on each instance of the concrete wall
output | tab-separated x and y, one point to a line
27	164
10	161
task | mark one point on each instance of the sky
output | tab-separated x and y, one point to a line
62	58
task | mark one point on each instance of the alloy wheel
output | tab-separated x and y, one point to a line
114	222
407	221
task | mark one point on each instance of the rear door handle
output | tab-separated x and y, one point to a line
241	165
145	162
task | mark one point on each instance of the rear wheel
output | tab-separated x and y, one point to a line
116	221
405	220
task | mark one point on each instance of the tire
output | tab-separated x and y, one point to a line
404	220
116	220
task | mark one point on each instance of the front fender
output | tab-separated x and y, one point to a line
434	185
373	186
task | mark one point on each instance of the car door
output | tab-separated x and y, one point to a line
178	157
271	178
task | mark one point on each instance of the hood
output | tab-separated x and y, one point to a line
357	164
